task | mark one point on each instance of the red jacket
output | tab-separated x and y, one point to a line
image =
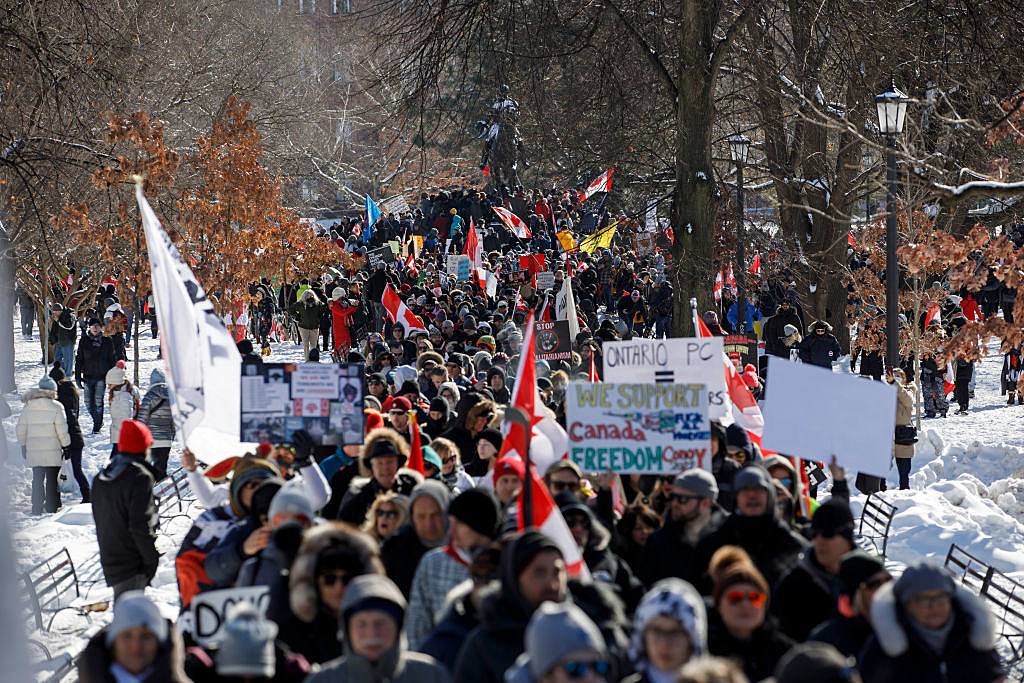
341	319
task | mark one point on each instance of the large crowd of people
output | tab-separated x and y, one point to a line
377	571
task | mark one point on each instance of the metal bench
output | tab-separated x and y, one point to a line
49	586
875	523
174	497
1005	598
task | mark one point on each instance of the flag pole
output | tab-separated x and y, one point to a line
693	307
514	415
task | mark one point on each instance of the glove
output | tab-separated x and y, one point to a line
303	444
65	452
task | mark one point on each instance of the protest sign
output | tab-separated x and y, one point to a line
680	359
374	257
210	610
395	206
545	280
638	428
464	268
808	415
552	340
452	263
279	399
741	350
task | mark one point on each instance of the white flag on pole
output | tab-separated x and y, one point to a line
203	364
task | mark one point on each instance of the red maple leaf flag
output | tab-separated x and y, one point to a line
548	520
416	447
592	375
602	184
730	280
513	222
718	285
399	312
745	411
755	267
474	249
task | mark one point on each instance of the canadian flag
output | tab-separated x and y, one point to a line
949	379
933	314
416	447
514	223
582	267
520	305
592	375
548	441
730	281
755	266
718	285
602	184
547	519
745	411
399	312
475	251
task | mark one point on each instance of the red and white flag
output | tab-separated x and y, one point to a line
755	266
592	375
475	251
415	461
548	520
399	312
514	223
718	285
730	281
520	305
745	411
602	184
933	314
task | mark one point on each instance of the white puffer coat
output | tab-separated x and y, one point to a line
43	428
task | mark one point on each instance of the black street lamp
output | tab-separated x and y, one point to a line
739	146
892	113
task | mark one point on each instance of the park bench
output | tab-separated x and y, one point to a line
875	523
1005	598
51	586
174	497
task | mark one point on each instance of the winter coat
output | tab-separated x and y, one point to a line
68	397
757	655
905	416
605	566
126	519
155	410
201	538
124	405
1011	371
805	597
773	331
63	330
846	634
169	667
458	620
362	492
820	350
668	553
492	647
896	654
341	319
43	428
396	665
401	553
94	358
308	311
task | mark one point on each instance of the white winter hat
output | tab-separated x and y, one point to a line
115	375
789	330
337	293
134	609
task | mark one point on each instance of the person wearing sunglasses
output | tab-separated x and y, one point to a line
372	613
805	597
926	628
738	625
452	473
562	645
669	628
377	387
692	512
330	556
563	475
389	512
860	577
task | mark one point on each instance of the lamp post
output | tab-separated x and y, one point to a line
892	112
739	146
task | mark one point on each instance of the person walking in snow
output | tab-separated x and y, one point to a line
821	347
43	433
1011	375
95	357
155	413
124	401
68	397
933	386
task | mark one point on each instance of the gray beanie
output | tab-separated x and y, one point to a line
134	609
555	630
921	577
291	498
247	646
789	330
47	383
699	482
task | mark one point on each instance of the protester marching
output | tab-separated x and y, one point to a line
485	453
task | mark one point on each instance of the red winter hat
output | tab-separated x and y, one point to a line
750	376
401	403
374	420
135	437
509	465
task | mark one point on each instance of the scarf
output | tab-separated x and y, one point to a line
934	638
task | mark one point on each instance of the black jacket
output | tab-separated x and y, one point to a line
125	513
846	634
668	553
758	655
821	351
68	397
94	358
169	667
63	330
805	597
774	331
363	493
771	544
401	553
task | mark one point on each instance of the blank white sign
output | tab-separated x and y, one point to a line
814	413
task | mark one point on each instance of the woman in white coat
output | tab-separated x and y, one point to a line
124	402
43	432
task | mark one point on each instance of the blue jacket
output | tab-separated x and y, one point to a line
752	314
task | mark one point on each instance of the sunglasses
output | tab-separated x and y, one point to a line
450	365
331	578
388	514
832	533
877	582
376	383
565	485
450	458
682	498
575	669
396	412
755	598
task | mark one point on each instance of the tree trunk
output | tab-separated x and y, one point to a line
7	383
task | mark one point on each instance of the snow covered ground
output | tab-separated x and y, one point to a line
967	488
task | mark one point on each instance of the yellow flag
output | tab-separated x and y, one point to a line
565	238
599	240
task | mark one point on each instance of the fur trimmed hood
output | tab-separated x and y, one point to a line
380	434
361	557
890	622
479	410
